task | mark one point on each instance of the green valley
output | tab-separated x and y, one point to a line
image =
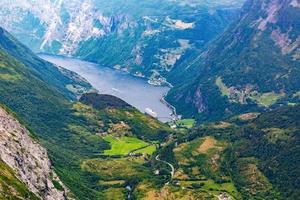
236	159
228	78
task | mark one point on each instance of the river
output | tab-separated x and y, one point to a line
134	90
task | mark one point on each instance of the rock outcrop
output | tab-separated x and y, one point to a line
28	159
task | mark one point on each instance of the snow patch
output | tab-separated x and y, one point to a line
179	24
63	22
151	32
295	3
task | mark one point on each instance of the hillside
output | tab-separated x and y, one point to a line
17	189
251	156
254	65
55	77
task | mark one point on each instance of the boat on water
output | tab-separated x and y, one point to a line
150	112
115	90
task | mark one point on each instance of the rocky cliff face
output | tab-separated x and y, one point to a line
57	26
28	159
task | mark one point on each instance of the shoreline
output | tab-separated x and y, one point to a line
158	83
174	116
170	106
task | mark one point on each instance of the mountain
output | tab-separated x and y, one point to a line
254	65
145	38
40	105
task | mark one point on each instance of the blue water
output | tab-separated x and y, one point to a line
134	90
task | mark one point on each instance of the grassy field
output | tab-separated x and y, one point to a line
183	124
147	150
124	145
252	182
263	99
266	99
11	187
276	134
224	90
187	123
114	193
210	187
116	173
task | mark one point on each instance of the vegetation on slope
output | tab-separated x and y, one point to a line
55	77
252	66
131	136
11	187
251	156
257	155
120	115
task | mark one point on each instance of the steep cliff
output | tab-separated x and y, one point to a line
28	159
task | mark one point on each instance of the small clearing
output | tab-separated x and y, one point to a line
248	116
208	143
124	145
266	99
187	123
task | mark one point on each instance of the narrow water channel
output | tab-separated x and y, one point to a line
134	90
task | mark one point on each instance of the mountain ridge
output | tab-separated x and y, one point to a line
43	70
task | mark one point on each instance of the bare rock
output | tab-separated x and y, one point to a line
28	159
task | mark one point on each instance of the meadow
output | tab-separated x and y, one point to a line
125	145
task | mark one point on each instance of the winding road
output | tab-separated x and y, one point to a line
169	164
